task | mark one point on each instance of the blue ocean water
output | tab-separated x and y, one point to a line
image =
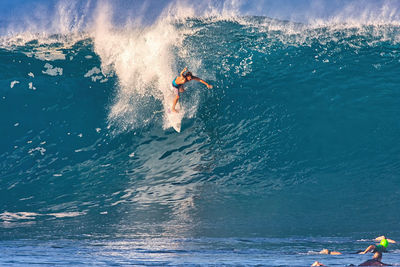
295	149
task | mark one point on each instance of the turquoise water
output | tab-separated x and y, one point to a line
295	149
182	252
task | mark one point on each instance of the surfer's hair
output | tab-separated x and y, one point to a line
188	74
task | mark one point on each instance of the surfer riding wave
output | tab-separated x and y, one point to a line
180	80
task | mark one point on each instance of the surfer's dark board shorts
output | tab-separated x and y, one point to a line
176	87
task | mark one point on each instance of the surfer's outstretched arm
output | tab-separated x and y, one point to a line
183	71
209	86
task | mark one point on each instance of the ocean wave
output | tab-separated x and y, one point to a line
301	115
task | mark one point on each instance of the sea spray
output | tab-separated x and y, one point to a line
145	60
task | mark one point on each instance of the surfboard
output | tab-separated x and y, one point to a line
175	118
172	119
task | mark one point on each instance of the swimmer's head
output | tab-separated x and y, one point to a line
384	243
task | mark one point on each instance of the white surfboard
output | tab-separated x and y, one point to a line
175	118
172	119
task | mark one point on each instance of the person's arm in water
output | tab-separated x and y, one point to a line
203	82
368	249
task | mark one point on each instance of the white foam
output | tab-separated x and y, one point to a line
92	74
31	86
52	71
13	216
142	58
92	71
39	149
17	216
13	83
66	214
96	77
47	54
26	198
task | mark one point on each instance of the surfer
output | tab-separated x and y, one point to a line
180	80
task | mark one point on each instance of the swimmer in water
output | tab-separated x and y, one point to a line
381	247
328	252
180	80
375	261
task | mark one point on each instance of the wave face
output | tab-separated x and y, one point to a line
299	135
